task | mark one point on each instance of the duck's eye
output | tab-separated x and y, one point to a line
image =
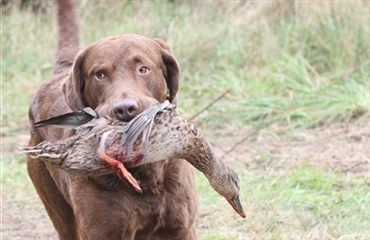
100	75
144	70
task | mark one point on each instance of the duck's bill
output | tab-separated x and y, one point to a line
235	203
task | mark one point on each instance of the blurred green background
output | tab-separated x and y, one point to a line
298	75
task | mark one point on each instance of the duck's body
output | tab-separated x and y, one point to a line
172	137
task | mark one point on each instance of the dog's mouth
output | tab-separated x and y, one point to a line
125	109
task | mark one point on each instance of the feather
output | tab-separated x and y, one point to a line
69	120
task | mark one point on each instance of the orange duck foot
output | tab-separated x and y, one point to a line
120	169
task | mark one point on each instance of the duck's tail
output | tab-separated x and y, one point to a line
45	151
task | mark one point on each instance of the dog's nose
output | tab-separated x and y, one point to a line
125	110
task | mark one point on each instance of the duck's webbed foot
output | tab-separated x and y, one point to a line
120	169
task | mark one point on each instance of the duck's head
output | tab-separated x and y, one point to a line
227	185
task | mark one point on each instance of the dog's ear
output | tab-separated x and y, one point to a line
73	85
172	73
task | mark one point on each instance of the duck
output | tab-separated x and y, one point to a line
104	145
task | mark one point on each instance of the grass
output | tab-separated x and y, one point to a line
306	203
303	68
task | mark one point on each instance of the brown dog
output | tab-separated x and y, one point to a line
120	77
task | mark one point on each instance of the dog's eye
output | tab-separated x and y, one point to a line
100	75
144	70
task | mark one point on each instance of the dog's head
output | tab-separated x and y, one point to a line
121	76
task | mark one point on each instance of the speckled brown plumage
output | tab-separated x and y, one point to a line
171	137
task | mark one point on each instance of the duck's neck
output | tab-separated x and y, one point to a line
203	157
183	142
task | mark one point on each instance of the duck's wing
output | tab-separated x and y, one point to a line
69	120
142	123
132	130
152	114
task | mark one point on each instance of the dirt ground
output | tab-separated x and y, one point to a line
343	147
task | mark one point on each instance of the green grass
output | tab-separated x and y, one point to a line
302	69
306	202
271	65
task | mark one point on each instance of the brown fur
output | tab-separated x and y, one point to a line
104	207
